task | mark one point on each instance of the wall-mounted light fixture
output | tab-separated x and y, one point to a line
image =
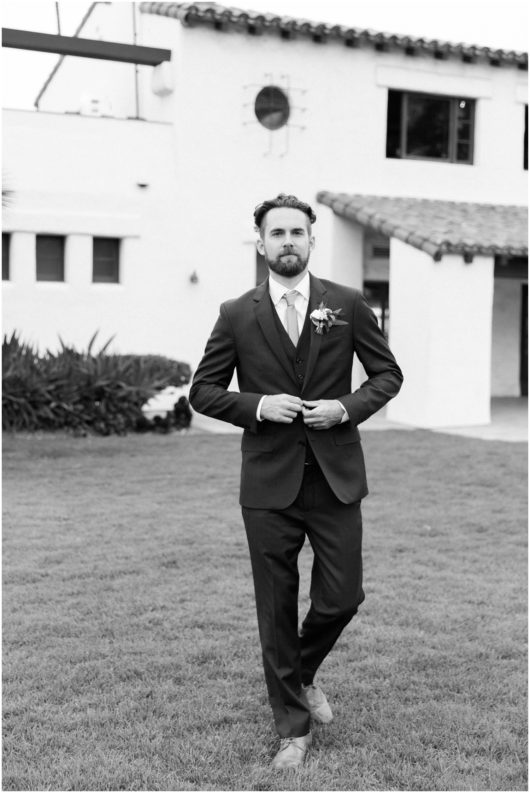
194	278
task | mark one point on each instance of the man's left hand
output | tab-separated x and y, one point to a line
321	414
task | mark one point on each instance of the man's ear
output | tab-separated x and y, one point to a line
260	246
312	243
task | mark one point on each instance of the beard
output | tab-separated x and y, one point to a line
288	265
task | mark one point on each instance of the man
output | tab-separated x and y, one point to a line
292	341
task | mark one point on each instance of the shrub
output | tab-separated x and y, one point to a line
80	391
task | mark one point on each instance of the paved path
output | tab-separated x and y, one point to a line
509	422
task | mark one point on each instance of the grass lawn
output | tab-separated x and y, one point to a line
131	653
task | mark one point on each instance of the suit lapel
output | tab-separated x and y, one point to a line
265	317
316	296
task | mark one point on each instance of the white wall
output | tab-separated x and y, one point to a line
440	332
347	252
497	174
340	98
228	162
80	177
216	162
506	342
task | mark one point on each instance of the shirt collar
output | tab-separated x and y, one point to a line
277	290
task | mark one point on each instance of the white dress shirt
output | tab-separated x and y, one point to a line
276	292
301	301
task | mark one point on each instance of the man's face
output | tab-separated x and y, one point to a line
286	241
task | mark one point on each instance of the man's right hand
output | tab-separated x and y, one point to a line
281	408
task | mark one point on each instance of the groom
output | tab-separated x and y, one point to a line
292	341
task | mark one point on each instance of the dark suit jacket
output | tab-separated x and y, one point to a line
246	338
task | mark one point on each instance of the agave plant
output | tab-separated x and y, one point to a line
80	391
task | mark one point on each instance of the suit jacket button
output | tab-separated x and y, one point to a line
299	360
300	376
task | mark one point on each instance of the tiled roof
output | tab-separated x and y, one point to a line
439	227
254	23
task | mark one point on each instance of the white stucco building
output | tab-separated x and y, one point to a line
134	187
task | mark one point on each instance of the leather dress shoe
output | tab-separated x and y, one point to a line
292	752
315	699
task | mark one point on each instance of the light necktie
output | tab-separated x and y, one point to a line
291	317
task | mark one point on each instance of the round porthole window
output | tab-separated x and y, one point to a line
272	107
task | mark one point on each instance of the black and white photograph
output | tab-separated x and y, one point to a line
264	395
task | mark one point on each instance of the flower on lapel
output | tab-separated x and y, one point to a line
323	318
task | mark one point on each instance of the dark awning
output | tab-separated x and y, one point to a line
438	227
83	48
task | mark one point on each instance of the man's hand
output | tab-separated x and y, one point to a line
281	408
321	414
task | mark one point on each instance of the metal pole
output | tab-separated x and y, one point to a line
58	18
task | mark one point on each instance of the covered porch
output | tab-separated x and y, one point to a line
456	278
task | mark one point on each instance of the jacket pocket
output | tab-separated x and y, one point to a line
346	433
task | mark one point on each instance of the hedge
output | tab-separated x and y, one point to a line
81	391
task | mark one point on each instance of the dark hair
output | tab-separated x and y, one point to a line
282	200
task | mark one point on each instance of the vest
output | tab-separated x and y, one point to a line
298	357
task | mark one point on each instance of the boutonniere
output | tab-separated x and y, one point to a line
323	318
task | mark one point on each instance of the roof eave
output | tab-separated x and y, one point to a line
221	18
344	206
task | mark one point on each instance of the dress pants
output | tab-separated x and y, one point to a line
275	538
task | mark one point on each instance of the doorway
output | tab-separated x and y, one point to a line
510	327
523	369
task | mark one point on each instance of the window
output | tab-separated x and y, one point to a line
511	267
428	127
523	362
376	294
272	107
6	239
262	271
381	250
525	139
50	258
106	260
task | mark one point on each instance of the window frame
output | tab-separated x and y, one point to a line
452	127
